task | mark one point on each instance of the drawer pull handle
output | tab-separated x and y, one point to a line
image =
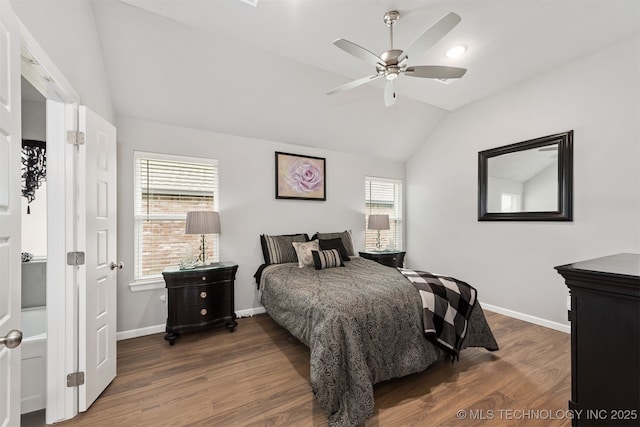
203	311
203	294
204	277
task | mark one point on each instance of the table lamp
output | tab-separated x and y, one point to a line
378	222
202	222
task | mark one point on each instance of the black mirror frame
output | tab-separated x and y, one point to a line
565	180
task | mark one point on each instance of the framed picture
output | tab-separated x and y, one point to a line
300	177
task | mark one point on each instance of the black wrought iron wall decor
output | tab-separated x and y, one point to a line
34	168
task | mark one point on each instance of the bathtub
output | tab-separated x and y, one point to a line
34	359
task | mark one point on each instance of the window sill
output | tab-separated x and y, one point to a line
147	285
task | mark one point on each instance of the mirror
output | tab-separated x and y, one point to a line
527	181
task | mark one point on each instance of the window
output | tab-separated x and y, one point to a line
166	188
510	202
383	196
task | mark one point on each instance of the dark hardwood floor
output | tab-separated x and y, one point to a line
259	376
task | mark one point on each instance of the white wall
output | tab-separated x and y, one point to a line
247	207
511	263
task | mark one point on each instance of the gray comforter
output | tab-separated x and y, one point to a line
363	325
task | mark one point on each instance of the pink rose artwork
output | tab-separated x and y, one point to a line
300	177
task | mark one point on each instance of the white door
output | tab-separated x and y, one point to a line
97	295
10	211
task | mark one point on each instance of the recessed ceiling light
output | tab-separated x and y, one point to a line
455	51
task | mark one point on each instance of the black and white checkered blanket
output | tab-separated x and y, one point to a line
447	304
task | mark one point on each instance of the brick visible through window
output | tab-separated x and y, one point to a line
166	188
383	196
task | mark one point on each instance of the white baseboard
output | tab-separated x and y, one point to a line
250	312
149	330
527	318
134	333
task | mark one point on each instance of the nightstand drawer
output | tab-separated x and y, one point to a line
390	259
199	295
191	278
194	315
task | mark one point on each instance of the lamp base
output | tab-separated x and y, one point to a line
378	243
203	251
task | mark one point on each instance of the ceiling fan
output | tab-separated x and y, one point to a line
391	63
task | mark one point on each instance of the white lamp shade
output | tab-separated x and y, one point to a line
378	222
202	222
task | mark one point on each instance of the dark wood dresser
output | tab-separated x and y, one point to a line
199	298
388	258
605	340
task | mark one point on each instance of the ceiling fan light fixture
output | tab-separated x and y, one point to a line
455	51
391	75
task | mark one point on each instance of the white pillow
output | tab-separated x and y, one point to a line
303	250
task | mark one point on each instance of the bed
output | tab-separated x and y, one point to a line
363	324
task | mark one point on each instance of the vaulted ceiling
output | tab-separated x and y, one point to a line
263	72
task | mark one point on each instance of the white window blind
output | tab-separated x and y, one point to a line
384	197
166	188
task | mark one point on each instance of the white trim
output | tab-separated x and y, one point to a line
44	75
147	285
140	332
173	158
249	312
156	329
382	179
62	345
527	318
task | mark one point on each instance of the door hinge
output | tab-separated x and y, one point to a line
75	137
75	258
75	379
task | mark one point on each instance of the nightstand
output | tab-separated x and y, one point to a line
388	258
199	298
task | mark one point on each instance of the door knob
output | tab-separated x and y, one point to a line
12	339
113	265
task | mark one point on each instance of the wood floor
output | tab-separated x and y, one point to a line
259	376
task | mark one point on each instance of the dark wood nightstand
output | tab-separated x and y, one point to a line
388	258
199	298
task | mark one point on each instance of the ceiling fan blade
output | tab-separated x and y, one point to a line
353	84
431	35
435	72
390	93
358	51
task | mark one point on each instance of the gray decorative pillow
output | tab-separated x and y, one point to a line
344	235
278	249
327	259
303	250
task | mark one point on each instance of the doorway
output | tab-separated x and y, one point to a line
34	253
46	84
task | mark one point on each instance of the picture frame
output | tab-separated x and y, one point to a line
300	177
